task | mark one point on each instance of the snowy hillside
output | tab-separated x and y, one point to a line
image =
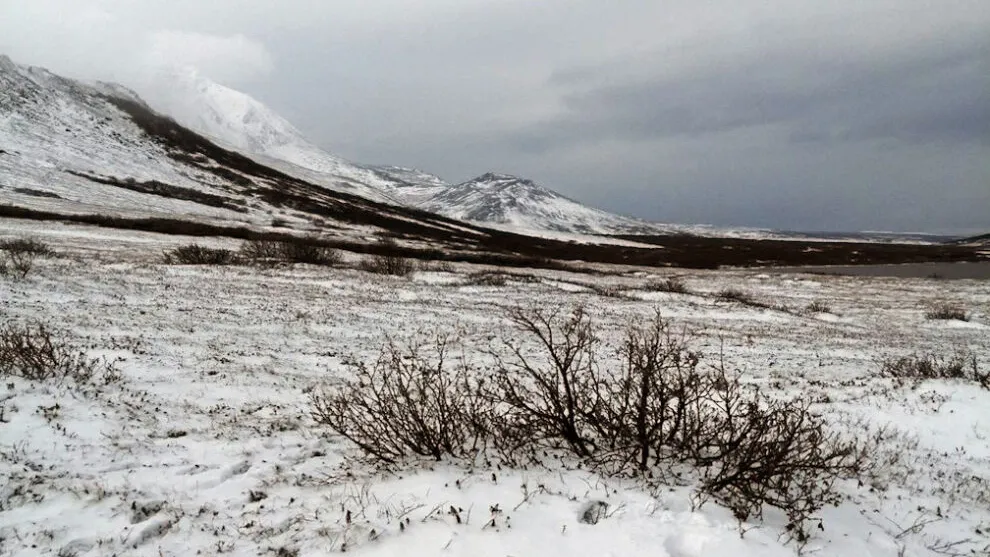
241	122
55	131
203	441
520	203
72	148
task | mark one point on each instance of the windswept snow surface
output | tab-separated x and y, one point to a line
52	129
206	446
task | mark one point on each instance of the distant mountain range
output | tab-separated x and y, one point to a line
80	147
243	123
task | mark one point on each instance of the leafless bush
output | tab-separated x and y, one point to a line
947	311
673	285
16	265
645	411
195	254
17	256
35	353
663	408
488	278
607	290
407	403
960	365
818	306
28	245
436	266
387	259
754	451
734	295
261	251
387	265
268	252
309	252
548	396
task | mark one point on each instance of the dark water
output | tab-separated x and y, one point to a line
979	270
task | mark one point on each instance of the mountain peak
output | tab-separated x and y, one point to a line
6	63
489	176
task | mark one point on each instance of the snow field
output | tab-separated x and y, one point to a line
205	445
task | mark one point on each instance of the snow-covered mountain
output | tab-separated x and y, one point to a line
73	148
237	120
242	122
54	132
522	204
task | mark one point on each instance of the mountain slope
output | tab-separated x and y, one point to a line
508	200
71	148
241	122
54	132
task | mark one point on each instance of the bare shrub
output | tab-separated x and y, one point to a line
960	365
818	306
644	410
488	278
28	245
407	403
387	259
19	255
673	285
268	252
436	266
663	409
16	265
310	252
734	295
387	265
261	251
548	396
608	290
195	254
35	353
777	453
947	311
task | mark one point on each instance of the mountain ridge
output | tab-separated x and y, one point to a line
237	119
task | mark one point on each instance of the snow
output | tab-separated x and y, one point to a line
212	406
238	121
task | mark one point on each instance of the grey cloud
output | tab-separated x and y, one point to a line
933	96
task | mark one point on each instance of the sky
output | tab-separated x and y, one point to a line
815	115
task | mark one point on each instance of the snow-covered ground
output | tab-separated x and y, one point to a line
205	446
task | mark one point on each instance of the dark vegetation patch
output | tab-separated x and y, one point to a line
947	311
17	256
34	352
672	285
305	250
960	365
818	306
195	254
161	189
37	193
750	252
32	246
387	262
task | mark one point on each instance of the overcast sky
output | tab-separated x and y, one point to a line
826	115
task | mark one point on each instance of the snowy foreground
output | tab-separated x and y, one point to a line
205	445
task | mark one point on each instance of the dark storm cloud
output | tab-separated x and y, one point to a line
934	96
